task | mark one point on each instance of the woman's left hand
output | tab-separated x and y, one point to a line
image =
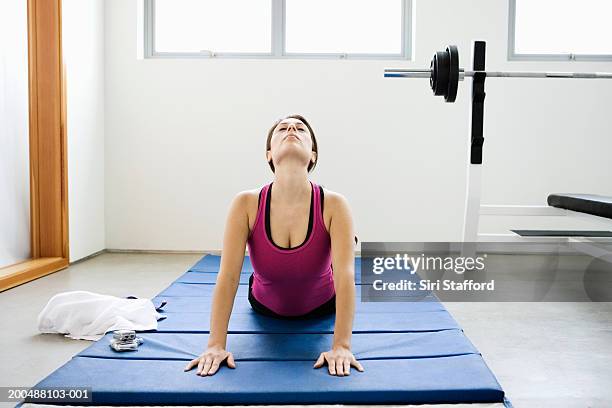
339	361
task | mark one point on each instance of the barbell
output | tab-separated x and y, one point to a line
444	73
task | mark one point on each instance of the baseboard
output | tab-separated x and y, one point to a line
160	251
85	258
164	251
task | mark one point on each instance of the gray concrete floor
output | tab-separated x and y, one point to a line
543	354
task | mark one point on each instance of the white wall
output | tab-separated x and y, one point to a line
183	136
14	142
83	47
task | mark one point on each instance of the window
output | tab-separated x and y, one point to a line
278	28
343	27
560	29
194	26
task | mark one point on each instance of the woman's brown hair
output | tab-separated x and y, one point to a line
315	148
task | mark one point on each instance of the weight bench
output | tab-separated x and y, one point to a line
412	352
595	243
597	205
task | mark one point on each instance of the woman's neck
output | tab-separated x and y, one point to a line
291	183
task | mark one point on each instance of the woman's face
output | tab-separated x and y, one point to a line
291	139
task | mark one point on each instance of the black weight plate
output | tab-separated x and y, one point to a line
453	73
440	73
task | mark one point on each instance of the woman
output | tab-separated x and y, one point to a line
300	241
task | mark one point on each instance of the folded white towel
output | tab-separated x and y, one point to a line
88	316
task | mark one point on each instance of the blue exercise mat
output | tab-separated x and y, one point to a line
181	289
413	352
192	304
307	347
363	323
455	379
211	263
196	290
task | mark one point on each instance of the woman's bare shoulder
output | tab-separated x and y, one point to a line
248	201
332	195
334	200
339	210
246	197
248	194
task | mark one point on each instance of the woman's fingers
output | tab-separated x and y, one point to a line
206	366
230	360
209	363
215	365
220	359
338	366
200	365
192	364
346	365
356	364
331	366
320	360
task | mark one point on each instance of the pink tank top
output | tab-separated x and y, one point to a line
291	281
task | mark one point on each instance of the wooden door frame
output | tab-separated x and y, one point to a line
48	156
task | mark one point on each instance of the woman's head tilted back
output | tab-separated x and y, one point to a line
292	138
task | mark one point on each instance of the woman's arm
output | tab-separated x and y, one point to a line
232	257
340	358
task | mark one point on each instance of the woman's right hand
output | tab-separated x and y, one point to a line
208	363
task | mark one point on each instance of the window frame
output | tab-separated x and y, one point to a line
514	56
278	36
